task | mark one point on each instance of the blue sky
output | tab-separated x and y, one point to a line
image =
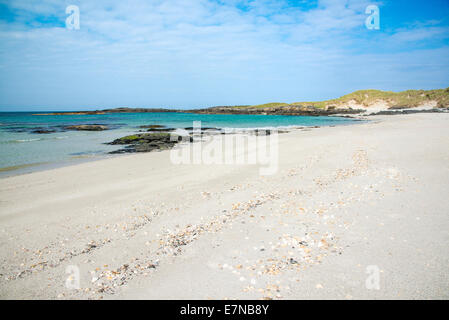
199	53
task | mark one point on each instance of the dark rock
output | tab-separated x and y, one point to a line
407	111
202	128
43	131
161	129
262	132
147	142
152	126
290	110
88	127
127	140
107	111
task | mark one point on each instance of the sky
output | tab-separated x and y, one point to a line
201	53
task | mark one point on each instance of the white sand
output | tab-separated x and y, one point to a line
345	200
382	105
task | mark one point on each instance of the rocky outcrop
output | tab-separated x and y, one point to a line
156	141
358	102
156	128
161	129
408	111
88	127
146	142
152	126
75	113
290	110
137	110
106	111
43	131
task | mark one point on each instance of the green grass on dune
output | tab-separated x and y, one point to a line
270	105
266	105
408	98
404	99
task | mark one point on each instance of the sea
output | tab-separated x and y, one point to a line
22	150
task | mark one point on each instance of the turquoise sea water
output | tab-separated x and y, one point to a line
20	147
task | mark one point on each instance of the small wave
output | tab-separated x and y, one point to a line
87	153
24	140
251	129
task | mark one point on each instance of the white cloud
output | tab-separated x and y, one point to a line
189	52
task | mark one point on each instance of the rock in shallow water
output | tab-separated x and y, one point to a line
161	129
147	142
152	126
88	127
43	131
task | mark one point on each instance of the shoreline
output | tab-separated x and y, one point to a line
73	160
46	166
345	200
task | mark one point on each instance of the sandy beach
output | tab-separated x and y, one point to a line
354	212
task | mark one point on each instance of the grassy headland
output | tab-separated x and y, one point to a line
356	102
395	100
361	101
